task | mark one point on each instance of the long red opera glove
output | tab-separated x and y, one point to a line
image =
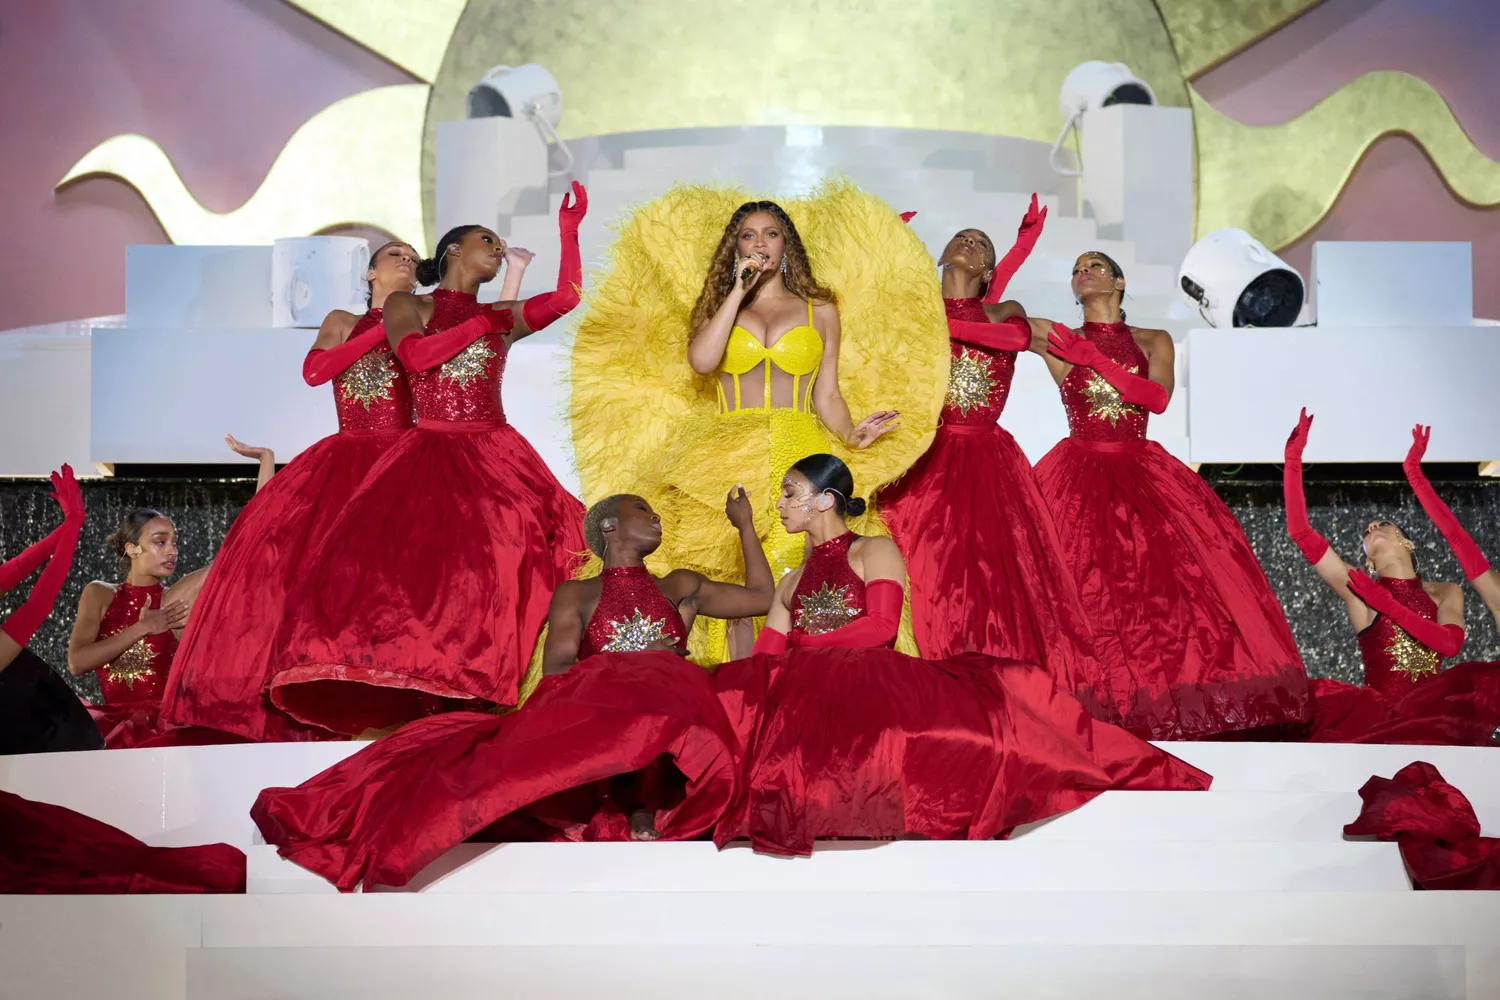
1012	334
541	310
1312	544
1026	237
877	628
23	565
419	352
769	641
1445	640
1079	350
25	620
1470	558
323	365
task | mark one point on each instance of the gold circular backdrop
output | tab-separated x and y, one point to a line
990	66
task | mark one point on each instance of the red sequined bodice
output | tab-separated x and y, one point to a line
467	386
1095	410
372	394
829	594
140	673
1394	661
632	614
979	378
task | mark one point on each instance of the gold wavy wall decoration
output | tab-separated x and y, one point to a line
413	34
356	162
1207	32
1276	182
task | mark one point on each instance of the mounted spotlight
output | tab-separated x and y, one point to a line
313	275
1092	85
1233	280
527	91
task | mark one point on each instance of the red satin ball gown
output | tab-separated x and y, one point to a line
221	671
428	592
1435	827
626	727
131	684
46	849
868	743
1407	696
1005	590
1192	642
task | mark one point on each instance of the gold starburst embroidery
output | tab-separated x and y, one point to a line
1104	399
368	379
825	609
468	364
132	665
636	633
1411	657
969	381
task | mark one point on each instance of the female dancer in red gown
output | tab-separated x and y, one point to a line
846	738
220	673
428	591
1406	627
623	739
39	712
1192	643
1006	591
128	631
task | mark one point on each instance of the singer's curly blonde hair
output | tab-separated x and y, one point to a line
799	279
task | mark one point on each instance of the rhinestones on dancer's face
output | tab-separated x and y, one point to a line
799	502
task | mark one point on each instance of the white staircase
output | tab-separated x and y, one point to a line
1241	891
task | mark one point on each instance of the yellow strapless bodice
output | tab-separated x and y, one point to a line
799	353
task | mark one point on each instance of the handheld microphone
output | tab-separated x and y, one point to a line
745	274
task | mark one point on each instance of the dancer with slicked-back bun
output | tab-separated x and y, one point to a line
220	674
1406	627
845	737
1006	591
1191	641
427	593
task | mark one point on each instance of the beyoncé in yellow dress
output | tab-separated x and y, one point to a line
717	354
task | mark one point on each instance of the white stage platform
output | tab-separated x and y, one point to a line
1239	891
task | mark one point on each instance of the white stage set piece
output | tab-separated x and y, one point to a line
1242	890
207	313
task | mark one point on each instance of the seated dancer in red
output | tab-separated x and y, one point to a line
623	739
220	674
1192	643
39	713
1006	591
1406	627
846	738
49	850
428	592
129	631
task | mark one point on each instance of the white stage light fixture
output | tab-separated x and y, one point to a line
528	91
1090	85
313	275
1233	280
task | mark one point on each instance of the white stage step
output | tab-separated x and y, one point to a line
1220	944
729	972
894	867
1262	791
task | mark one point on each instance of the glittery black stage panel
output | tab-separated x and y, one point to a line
203	510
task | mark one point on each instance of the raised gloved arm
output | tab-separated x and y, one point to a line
1026	237
542	310
25	620
1470	558
1312	545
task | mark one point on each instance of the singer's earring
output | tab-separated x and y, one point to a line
783	263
